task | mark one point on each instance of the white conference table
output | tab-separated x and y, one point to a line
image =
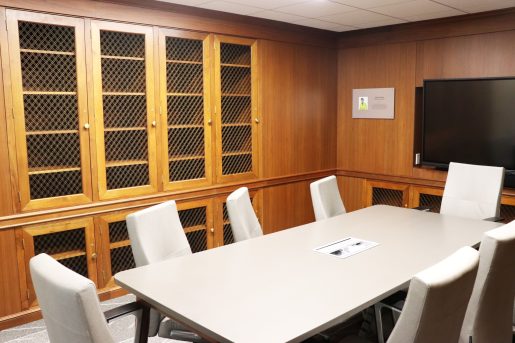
277	289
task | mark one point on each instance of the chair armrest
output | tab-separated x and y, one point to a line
186	336
494	219
123	310
423	208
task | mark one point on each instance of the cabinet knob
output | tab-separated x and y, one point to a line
94	256
212	229
154	123
256	120
86	126
209	122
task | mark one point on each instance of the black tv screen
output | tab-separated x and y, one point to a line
469	121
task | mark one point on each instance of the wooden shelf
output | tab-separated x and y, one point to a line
184	62
235	65
120	244
123	93
49	52
50	132
236	124
122	129
184	94
189	126
194	228
52	169
124	163
236	94
123	58
237	153
68	254
186	157
48	93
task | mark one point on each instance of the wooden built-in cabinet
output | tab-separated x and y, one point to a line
49	94
106	110
387	193
124	110
71	242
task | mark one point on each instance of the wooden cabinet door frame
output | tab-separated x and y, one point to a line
25	236
163	109
96	70
387	185
255	115
13	18
416	191
209	226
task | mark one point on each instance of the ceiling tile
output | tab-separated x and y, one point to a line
386	22
266	4
414	8
361	18
315	9
229	7
319	24
478	5
364	4
279	16
433	15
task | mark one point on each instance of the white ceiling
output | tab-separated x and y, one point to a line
346	15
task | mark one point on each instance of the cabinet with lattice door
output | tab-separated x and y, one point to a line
196	219
48	77
236	115
387	193
72	243
185	106
123	93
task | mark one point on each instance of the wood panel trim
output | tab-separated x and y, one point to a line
181	17
39	217
468	24
507	192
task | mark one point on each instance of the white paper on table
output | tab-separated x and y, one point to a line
346	247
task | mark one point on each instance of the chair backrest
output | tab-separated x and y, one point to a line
69	303
156	234
326	198
489	313
437	300
472	191
244	222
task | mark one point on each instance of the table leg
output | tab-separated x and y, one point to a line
142	324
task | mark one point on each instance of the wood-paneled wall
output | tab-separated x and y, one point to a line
402	57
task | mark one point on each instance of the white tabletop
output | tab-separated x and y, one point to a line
277	289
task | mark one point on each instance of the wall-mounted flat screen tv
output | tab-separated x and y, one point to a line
469	121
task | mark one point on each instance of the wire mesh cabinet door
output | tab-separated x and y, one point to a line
48	74
429	197
72	243
184	67
386	193
123	87
197	220
236	114
116	247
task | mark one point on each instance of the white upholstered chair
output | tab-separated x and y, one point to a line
489	314
326	198
156	234
472	191
244	222
437	301
70	305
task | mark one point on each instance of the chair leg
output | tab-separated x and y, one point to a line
379	323
142	324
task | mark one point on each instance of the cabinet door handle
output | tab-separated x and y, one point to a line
154	123
209	122
212	230
86	126
256	120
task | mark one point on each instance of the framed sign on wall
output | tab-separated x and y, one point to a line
373	103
